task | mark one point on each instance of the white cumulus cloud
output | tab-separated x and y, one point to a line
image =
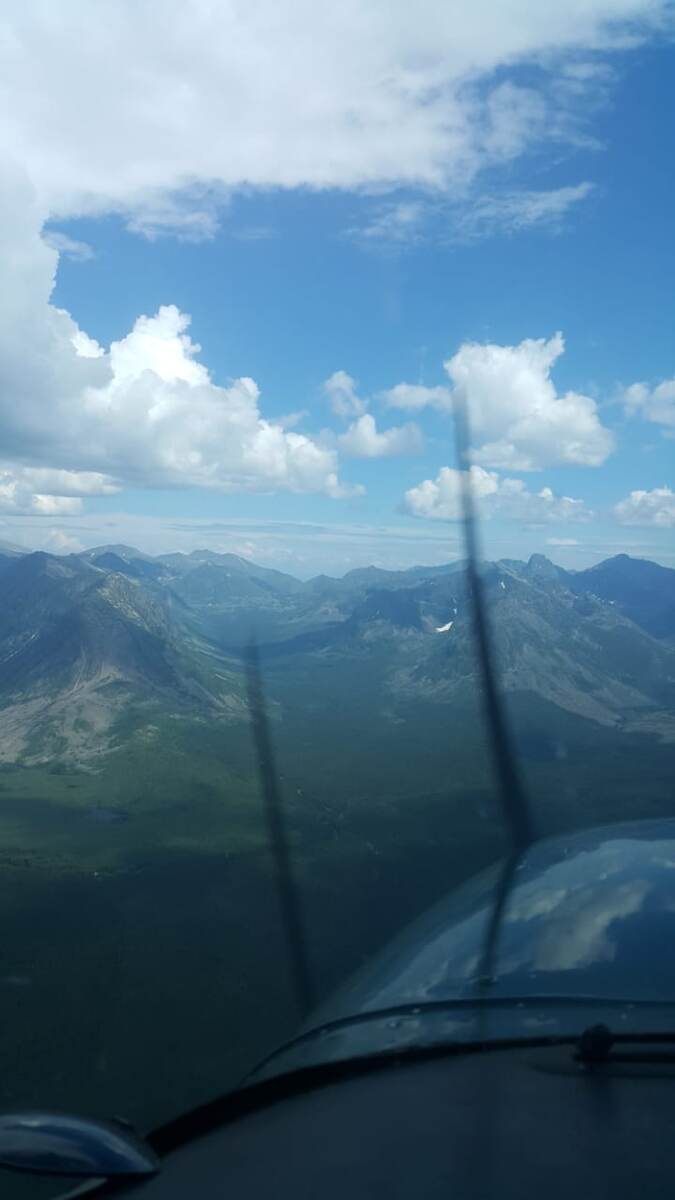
415	396
440	499
654	404
145	412
44	491
340	390
518	420
362	439
18	497
158	108
656	507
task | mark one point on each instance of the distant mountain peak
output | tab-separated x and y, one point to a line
39	564
207	556
11	548
119	549
625	561
541	567
642	590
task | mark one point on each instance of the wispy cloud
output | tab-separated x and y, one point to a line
182	215
405	223
212	97
68	246
474	217
253	233
306	548
515	211
303	548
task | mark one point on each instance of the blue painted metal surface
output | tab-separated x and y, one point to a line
59	1144
587	934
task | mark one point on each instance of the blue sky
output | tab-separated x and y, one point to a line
509	186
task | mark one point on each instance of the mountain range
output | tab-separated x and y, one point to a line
96	644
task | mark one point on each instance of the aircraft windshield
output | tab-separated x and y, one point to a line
284	290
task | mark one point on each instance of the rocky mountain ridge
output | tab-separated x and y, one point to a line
88	638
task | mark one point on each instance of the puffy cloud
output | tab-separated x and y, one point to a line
149	97
656	507
654	404
17	499
172	425
415	396
340	390
85	346
65	483
579	933
511	212
362	439
518	420
440	499
158	111
46	492
146	412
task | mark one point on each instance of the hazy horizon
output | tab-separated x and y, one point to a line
559	555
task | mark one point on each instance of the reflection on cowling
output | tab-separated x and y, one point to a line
591	915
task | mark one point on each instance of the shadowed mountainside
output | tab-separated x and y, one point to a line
87	639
